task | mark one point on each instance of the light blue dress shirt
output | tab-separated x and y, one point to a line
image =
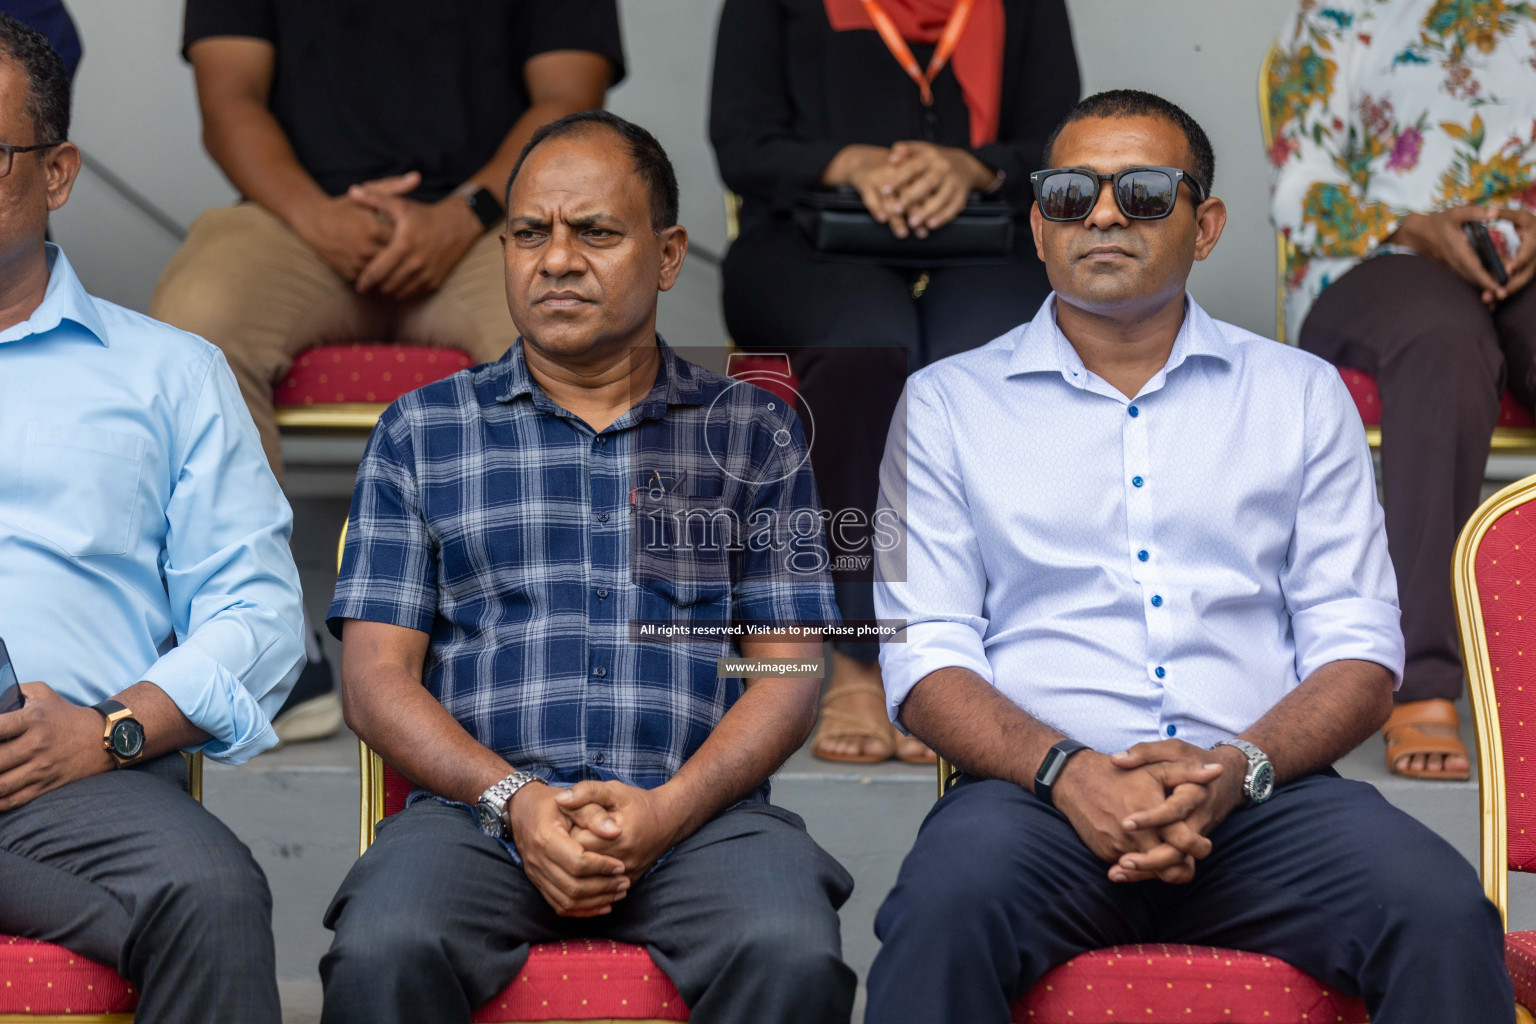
142	534
1127	570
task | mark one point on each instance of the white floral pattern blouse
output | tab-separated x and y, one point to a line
1381	108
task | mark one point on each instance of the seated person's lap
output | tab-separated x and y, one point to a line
750	877
1311	876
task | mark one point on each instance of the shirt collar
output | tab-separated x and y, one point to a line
677	383
64	299
1040	346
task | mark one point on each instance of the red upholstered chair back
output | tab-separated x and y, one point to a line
1495	585
396	788
770	371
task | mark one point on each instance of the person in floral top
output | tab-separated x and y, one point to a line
1395	124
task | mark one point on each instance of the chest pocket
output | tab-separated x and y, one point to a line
681	552
80	486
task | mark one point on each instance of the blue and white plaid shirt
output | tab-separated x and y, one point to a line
531	548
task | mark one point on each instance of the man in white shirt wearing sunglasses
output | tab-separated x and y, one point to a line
1148	604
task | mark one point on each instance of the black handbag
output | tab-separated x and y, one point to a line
837	226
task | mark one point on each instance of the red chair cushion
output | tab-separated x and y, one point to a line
587	979
364	373
1362	388
1520	958
1504	562
41	979
1166	984
772	373
591	979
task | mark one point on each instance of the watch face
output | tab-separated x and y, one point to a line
489	819
1262	784
127	739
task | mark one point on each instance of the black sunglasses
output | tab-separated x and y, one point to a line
1142	193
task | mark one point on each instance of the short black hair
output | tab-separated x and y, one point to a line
651	161
1135	103
47	81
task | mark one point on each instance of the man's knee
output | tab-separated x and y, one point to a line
375	937
797	946
1432	892
223	897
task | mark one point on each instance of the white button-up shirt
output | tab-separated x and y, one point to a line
1131	569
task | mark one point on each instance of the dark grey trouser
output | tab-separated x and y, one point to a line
128	870
1326	875
1441	361
435	919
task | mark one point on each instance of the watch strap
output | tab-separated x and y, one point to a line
484	205
1050	768
1256	759
109	707
500	793
113	712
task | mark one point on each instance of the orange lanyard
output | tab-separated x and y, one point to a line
903	53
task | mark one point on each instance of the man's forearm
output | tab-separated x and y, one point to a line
252	150
166	728
767	724
410	730
976	728
1332	712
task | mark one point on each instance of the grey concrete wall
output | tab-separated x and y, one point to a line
136	113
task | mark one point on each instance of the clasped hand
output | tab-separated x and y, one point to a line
585	846
379	240
916	187
1149	811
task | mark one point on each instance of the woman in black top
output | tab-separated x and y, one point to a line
800	104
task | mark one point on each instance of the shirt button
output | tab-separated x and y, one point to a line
1157	600
1134	412
600	672
1137	481
598	757
1173	730
602	440
602	593
1142	554
1159	672
602	517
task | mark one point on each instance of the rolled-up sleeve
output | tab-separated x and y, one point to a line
1338	581
230	578
930	573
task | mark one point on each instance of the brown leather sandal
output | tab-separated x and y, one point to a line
840	723
1405	738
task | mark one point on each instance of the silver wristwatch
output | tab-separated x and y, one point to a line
1259	783
491	810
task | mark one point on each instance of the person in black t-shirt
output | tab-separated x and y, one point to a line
371	141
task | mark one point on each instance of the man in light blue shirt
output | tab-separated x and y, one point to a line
1148	604
147	586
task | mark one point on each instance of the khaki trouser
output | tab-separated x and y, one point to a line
247	283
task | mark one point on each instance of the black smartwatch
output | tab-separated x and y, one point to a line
1050	768
484	205
123	737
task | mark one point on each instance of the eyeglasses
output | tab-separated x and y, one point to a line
1142	193
8	153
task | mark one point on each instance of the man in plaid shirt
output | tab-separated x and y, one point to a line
523	536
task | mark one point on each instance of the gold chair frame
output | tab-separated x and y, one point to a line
1493	863
1506	440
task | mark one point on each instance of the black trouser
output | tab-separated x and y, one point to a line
128	870
854	332
1326	875
436	918
1442	361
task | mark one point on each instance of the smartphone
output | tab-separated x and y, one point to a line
10	689
1477	234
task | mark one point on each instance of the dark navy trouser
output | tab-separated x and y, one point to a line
1326	875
